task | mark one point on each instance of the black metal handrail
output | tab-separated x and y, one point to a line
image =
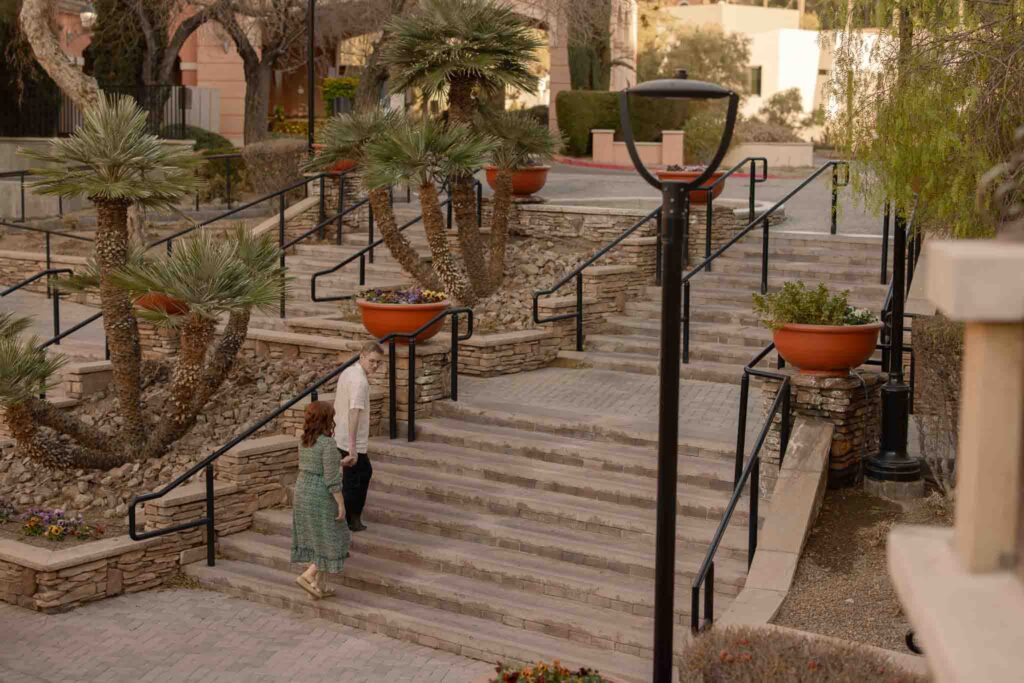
745	473
206	464
21	175
764	220
48	273
710	195
227	158
577	274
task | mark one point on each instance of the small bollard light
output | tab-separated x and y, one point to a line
674	229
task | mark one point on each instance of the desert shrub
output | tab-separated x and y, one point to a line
580	111
273	164
764	655
703	133
204	139
783	108
794	303
938	355
540	113
752	130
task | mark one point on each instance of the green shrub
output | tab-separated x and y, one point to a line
766	655
335	88
703	133
204	139
580	111
794	303
273	164
783	108
540	113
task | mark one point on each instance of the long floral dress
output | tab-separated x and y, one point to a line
317	535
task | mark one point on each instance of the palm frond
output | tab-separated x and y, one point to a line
25	370
87	279
420	151
11	325
111	157
521	138
345	136
211	276
481	41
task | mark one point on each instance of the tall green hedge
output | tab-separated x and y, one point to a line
580	111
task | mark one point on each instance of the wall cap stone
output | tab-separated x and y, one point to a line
43	560
976	280
41	256
502	338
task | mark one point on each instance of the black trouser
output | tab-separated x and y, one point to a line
355	482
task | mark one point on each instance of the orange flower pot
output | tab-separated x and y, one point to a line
343	165
381	320
160	302
525	181
826	350
700	196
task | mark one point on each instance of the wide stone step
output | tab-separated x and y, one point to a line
714	292
706	371
645	322
809	272
731	315
557	509
453	593
521	571
468	636
633	556
483	442
840	242
546	420
748	280
749	252
714	352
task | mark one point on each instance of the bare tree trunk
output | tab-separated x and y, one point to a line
397	242
456	285
257	101
118	319
38	23
374	75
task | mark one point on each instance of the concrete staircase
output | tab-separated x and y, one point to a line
724	331
504	542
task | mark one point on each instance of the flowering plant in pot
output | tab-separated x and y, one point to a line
818	332
690	173
387	311
524	146
542	672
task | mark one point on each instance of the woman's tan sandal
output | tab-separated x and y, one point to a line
308	587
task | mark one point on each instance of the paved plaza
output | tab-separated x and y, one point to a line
194	636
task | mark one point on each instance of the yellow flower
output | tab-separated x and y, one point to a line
54	530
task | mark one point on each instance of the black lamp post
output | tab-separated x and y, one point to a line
675	219
892	462
310	79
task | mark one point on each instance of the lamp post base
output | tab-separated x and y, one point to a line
892	463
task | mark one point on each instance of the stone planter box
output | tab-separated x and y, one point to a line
665	153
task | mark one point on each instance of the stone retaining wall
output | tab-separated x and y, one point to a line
15	266
85	379
851	404
490	355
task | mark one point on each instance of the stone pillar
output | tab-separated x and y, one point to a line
558	47
603	142
853	406
672	147
433	377
158	343
263	467
978	282
85	379
624	38
233	508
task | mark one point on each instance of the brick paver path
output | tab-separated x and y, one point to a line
707	410
196	636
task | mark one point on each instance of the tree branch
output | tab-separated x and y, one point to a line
37	24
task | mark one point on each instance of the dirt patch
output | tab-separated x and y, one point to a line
842	586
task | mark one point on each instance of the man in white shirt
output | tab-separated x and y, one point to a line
352	431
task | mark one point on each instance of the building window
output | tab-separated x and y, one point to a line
754	81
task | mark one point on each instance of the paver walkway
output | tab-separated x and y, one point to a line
707	410
197	636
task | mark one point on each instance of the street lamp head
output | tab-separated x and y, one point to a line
679	88
88	17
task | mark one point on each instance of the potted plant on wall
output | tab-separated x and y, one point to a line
691	173
818	332
390	311
333	147
525	145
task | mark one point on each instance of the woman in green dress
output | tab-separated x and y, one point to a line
320	534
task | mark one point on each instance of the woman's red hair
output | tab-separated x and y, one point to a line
319	420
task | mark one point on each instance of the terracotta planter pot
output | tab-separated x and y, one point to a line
158	301
339	166
697	197
381	320
525	181
826	350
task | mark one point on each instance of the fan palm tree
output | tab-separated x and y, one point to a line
115	163
469	50
522	141
424	153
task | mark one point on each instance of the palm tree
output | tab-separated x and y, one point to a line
113	161
212	278
469	50
425	153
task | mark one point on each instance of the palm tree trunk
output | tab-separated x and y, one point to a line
461	108
51	451
456	285
499	228
397	242
118	320
46	414
223	357
186	385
